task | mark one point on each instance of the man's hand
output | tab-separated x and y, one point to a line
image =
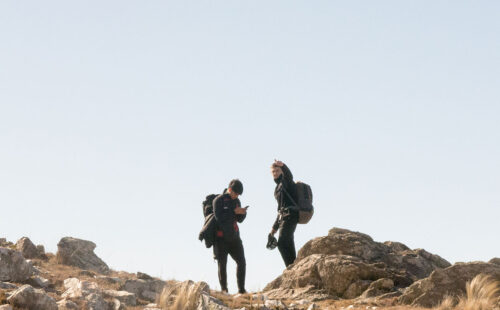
273	231
240	210
278	163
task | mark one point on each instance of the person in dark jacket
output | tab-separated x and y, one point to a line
228	213
288	216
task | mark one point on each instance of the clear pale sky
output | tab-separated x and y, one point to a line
118	117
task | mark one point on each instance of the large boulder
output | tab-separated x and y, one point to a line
80	253
417	264
451	281
345	263
335	274
27	248
33	299
13	266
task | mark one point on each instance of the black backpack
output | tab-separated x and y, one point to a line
207	204
304	202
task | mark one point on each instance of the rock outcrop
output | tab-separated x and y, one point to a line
28	297
13	266
80	253
451	281
347	264
27	248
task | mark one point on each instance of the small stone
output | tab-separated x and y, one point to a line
66	305
7	286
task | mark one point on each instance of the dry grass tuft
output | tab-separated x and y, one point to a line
482	293
180	296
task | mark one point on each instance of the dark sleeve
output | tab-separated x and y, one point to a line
276	224
288	178
240	217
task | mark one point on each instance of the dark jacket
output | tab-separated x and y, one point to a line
285	183
208	231
226	218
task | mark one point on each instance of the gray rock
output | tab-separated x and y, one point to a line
396	246
28	297
495	261
144	276
13	266
87	273
115	304
145	289
66	305
80	253
344	262
7	286
41	249
333	273
356	289
38	282
417	263
27	248
110	280
77	289
274	304
451	281
379	287
96	302
124	297
207	302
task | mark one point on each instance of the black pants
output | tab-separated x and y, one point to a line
235	249
286	244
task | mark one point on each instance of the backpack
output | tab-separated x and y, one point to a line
207	204
304	202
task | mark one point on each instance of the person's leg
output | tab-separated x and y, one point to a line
238	254
286	243
221	254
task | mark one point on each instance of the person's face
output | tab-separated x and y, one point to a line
276	172
232	193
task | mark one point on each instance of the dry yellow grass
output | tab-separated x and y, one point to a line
482	293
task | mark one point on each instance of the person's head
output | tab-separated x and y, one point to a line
276	171
235	188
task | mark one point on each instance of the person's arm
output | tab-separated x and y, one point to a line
287	177
241	213
276	225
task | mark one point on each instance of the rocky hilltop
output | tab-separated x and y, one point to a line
343	270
